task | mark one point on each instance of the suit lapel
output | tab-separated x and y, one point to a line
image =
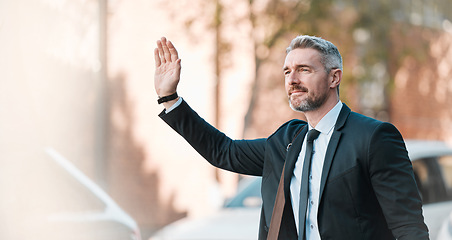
291	159
332	146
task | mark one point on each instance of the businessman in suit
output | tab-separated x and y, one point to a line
352	179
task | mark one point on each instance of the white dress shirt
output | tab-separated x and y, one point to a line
325	127
175	105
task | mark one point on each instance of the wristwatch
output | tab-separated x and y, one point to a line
167	98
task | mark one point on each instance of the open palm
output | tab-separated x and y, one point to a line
167	68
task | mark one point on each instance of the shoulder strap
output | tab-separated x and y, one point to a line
278	208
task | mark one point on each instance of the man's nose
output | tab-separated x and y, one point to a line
293	78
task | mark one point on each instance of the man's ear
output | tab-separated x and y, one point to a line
335	77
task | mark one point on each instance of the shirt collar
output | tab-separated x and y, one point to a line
328	121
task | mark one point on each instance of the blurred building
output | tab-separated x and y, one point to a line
421	105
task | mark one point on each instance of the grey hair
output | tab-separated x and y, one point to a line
330	56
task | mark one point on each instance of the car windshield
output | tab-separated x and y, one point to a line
248	194
44	187
434	178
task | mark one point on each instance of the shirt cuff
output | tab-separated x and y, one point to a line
175	105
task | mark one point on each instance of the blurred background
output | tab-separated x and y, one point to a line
77	77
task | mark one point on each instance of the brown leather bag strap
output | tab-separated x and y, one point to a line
278	209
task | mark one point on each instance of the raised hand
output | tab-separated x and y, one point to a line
167	68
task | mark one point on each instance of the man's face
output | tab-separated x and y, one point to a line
306	81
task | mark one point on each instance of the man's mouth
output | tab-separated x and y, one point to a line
298	90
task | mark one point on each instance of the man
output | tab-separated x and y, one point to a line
359	182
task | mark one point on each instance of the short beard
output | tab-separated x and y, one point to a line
310	104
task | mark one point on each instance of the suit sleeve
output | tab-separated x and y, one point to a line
394	184
240	156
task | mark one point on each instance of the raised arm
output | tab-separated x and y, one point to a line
167	70
241	156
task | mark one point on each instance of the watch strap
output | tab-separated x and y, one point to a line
167	98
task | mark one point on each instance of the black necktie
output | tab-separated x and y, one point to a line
304	191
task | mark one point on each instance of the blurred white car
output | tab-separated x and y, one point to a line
432	164
48	198
239	219
445	232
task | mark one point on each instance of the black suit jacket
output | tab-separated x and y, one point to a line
367	189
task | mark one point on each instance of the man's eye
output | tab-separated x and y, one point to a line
286	72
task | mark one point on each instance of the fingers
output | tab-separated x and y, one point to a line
173	51
165	52
157	58
161	52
